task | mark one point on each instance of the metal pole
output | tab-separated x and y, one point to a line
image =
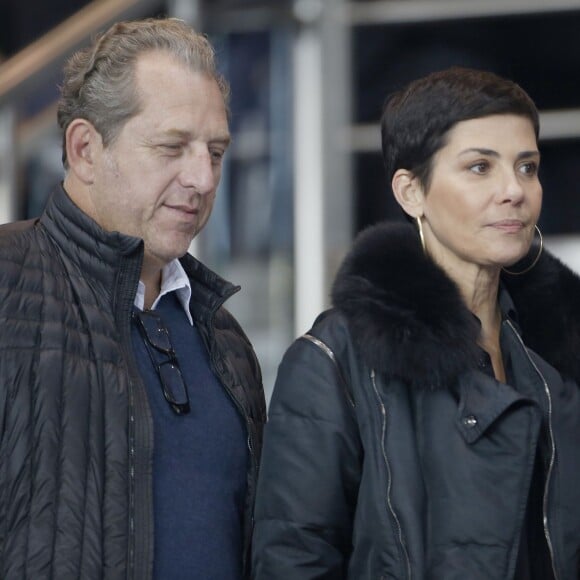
309	260
323	225
7	166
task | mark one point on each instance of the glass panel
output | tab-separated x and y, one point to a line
249	238
389	55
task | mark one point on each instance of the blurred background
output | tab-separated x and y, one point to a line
309	78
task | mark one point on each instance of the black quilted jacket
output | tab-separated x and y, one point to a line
75	428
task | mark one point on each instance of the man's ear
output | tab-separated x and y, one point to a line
408	192
83	147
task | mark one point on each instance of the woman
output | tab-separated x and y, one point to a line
428	426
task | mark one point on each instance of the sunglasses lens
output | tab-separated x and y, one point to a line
156	334
173	385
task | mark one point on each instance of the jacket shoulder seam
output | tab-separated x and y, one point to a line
324	348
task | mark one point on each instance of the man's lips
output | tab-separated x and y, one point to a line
183	208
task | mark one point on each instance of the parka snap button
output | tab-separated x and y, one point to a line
470	421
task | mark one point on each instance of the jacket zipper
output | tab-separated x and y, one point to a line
552	450
249	444
133	376
130	567
389	485
330	353
217	364
216	368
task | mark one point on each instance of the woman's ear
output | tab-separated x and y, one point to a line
83	145
408	192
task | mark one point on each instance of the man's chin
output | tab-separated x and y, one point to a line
162	257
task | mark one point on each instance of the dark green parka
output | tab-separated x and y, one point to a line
391	452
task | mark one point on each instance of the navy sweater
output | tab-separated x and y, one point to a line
199	465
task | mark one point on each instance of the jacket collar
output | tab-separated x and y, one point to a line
111	258
208	290
409	321
96	254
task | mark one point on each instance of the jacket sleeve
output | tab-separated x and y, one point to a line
309	474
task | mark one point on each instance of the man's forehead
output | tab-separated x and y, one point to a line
158	74
177	102
152	64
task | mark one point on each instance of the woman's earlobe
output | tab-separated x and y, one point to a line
408	192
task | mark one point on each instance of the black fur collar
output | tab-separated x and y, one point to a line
408	319
547	299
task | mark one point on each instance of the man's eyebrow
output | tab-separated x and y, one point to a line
223	138
174	133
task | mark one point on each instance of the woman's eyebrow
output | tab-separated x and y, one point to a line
480	151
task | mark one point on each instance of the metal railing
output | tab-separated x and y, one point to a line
28	72
34	63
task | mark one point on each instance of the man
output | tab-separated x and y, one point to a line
131	404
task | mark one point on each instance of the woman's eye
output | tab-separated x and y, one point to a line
529	168
480	167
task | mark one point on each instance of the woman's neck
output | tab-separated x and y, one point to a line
478	287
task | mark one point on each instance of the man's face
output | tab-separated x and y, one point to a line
157	180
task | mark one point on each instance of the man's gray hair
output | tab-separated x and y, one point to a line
99	82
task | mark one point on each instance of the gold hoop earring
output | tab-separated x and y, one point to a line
534	261
421	236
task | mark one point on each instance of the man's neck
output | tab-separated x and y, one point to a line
151	278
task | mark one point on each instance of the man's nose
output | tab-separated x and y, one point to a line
198	171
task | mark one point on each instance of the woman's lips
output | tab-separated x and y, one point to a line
511	226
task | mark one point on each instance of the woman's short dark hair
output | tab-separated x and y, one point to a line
416	120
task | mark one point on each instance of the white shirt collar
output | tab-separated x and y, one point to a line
173	279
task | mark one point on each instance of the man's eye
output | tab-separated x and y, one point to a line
217	155
171	147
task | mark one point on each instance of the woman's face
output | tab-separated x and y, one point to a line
485	197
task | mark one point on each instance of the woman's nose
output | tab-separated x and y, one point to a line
512	189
